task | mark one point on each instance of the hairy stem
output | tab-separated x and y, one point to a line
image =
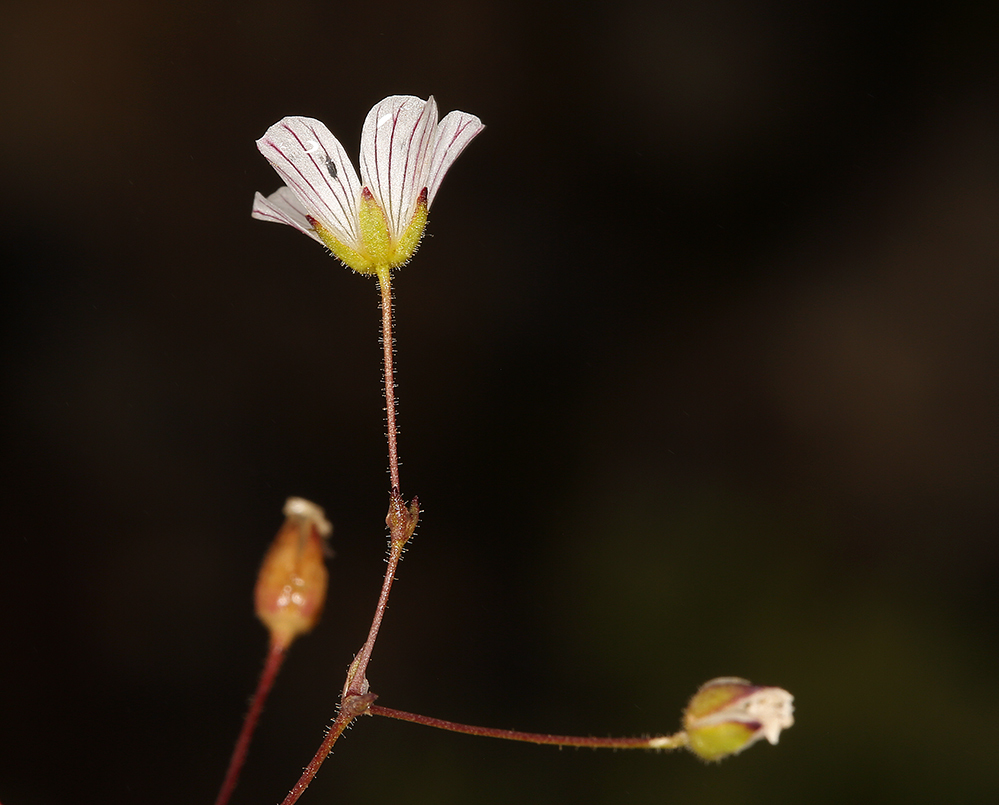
356	675
657	742
388	350
350	708
399	518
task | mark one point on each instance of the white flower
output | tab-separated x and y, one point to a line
373	223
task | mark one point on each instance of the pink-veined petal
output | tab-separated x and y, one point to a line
396	142
314	165
284	207
455	131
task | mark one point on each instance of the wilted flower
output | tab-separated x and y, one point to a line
374	223
291	586
729	714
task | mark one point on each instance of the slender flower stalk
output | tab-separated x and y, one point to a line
275	658
674	741
388	355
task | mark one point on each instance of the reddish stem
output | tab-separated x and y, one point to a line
657	742
356	678
275	657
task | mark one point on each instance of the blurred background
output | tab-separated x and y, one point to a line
697	370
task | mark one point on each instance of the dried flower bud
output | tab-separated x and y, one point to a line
291	587
728	714
402	519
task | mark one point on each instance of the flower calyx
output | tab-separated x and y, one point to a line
291	585
730	714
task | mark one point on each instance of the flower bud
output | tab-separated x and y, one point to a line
728	714
291	586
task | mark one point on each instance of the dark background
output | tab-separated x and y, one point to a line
698	377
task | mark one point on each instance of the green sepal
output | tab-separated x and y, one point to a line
410	240
374	230
721	740
345	254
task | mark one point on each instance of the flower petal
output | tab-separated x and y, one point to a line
455	131
313	164
284	207
396	141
